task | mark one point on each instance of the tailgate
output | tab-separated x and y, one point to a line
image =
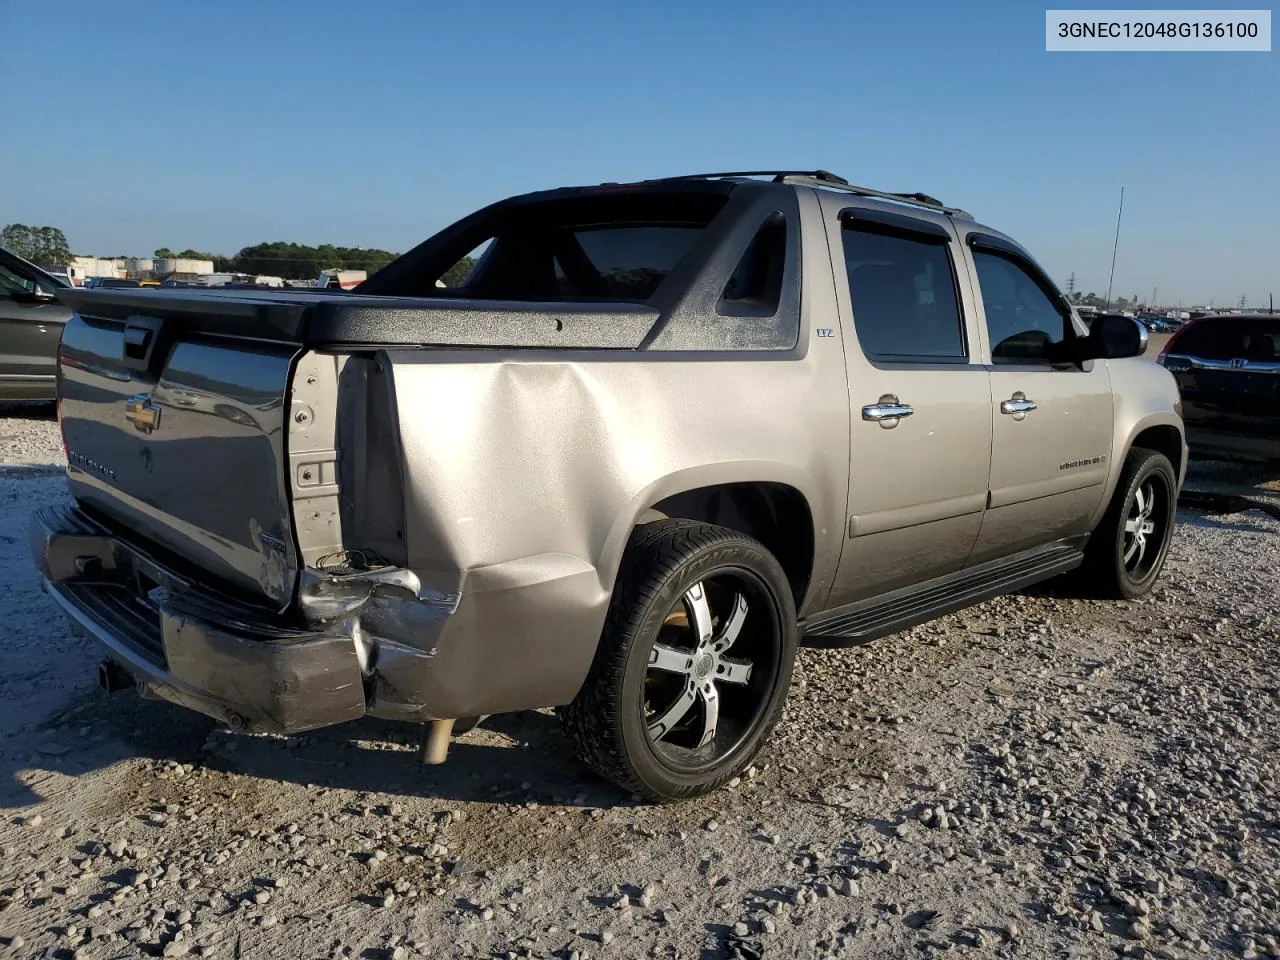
175	435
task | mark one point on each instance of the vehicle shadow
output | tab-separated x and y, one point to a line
511	758
22	471
35	410
1240	479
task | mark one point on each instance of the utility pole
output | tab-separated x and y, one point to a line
1243	301
1071	283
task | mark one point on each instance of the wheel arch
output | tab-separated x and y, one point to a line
768	503
1162	432
1162	438
776	514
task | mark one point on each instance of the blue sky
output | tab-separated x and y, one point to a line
219	125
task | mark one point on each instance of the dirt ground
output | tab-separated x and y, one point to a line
1038	776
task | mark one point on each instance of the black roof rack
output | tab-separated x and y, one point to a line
826	176
915	199
829	180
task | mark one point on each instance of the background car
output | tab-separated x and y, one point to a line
1103	316
31	321
111	282
1228	371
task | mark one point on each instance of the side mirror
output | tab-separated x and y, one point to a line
1114	337
35	297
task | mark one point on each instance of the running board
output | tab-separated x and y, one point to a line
868	619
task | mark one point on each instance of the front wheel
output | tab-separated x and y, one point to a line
693	665
1127	550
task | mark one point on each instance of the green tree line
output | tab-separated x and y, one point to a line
1093	300
296	261
44	246
47	247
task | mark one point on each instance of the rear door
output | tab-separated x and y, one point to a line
1052	422
30	324
1228	372
921	426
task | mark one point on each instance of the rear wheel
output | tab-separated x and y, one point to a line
693	664
1127	549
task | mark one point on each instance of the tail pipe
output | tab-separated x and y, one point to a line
112	677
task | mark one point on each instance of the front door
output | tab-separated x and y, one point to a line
920	427
1051	420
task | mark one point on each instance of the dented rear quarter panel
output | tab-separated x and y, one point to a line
524	472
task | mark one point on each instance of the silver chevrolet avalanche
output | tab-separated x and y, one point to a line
614	449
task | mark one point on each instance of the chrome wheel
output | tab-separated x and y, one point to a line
710	670
693	665
1143	527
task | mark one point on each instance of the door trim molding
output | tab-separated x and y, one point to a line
1006	496
913	515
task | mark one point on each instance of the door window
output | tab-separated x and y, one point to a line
13	284
1024	323
903	290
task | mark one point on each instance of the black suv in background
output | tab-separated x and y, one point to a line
111	283
31	320
1228	371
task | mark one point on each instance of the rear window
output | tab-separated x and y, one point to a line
1231	339
624	262
590	247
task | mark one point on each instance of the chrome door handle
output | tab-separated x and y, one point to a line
887	411
1018	405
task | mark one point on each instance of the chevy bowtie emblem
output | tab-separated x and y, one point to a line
142	413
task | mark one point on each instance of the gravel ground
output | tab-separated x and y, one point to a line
29	437
1039	776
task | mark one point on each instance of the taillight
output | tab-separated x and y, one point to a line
1169	344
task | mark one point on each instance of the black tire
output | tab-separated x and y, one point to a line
1105	570
609	722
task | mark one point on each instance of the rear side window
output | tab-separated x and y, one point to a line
903	290
755	287
1230	339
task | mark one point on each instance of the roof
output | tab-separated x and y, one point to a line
823	179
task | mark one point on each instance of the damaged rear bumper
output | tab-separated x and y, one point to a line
188	647
520	636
